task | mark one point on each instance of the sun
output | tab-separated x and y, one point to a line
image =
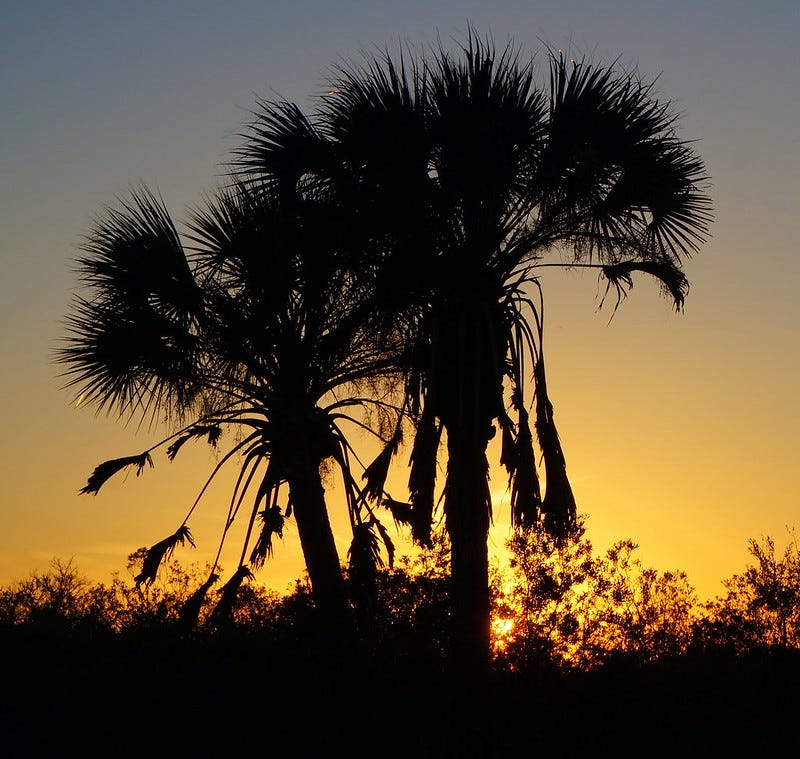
502	632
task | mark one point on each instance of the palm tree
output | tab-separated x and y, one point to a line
466	175
256	325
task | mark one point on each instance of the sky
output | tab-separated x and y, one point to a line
680	430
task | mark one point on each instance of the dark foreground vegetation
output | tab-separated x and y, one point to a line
595	655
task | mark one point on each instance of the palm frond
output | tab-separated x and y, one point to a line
364	559
245	242
160	552
489	120
272	523
422	478
134	254
520	462
133	362
132	345
672	279
558	506
613	178
189	613
103	472
365	550
402	513
375	474
508	448
387	541
281	144
376	118
211	431
222	613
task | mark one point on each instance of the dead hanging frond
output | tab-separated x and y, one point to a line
375	474
365	550
558	506
222	614
189	613
365	558
211	431
108	469
672	279
520	462
508	448
422	478
402	513
162	551
387	542
272	522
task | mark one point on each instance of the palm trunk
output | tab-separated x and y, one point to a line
467	393
468	396
322	559
467	507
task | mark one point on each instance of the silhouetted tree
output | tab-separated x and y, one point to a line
259	326
636	611
78	655
412	620
59	596
761	607
542	601
465	173
567	605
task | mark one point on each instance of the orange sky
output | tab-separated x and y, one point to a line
680	431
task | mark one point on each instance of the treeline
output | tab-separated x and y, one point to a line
594	654
558	604
568	605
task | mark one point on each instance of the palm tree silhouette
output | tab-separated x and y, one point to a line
465	176
255	325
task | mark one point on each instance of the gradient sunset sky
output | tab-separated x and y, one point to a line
680	430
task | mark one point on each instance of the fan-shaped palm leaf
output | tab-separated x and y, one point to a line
133	344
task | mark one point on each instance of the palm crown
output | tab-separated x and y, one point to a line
260	325
465	175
